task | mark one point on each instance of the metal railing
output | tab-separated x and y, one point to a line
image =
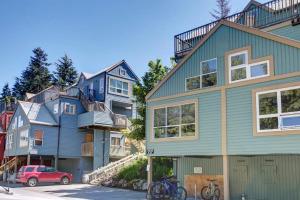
8	106
260	16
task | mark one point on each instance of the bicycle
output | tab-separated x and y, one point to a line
210	192
167	188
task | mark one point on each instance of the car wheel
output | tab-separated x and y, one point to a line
65	180
32	182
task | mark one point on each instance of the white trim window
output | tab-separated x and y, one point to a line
38	137
9	141
241	70
24	138
208	77
278	110
122	72
118	87
70	108
175	121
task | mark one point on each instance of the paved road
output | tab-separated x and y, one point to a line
68	192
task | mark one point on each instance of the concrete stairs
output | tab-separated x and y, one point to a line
105	173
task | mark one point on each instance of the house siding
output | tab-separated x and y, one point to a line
289	31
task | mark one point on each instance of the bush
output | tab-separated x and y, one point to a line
161	167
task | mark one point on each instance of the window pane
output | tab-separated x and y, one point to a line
29	169
238	60
173	115
193	83
290	100
160	117
125	86
38	142
112	89
125	92
119	90
119	84
238	74
160	132
268	103
268	123
209	80
259	70
188	114
209	66
173	131
188	130
291	122
113	83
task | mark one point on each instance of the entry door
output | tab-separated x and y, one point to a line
239	180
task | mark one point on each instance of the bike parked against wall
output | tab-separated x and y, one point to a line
167	188
211	191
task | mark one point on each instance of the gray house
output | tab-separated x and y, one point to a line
77	130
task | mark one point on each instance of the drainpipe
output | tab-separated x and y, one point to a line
58	134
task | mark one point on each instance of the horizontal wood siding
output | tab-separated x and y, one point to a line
240	125
265	177
286	58
209	141
210	166
288	31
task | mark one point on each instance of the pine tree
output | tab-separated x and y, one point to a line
65	74
222	11
6	94
35	77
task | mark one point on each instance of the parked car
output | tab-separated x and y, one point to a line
31	175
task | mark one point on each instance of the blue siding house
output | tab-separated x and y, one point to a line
77	129
230	109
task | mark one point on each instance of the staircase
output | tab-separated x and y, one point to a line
7	166
105	173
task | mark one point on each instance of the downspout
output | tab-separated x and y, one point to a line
58	133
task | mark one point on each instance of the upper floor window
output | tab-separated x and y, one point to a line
207	78
118	87
278	110
240	69
115	141
38	138
24	138
70	108
9	141
175	121
122	72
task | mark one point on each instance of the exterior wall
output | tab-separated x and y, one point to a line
286	58
209	129
273	177
73	166
101	148
289	31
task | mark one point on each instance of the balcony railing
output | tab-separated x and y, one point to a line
87	149
119	151
260	16
8	106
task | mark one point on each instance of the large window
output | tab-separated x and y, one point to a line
207	78
278	110
38	138
118	87
175	121
9	141
240	69
24	138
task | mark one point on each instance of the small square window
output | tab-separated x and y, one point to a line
122	72
70	108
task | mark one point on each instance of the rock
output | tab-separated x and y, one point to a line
144	186
107	183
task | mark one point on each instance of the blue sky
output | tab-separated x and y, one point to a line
96	33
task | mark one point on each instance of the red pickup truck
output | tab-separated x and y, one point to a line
31	175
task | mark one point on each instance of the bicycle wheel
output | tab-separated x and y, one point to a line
157	191
180	194
217	194
205	193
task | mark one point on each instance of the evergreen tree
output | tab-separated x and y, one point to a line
6	94
155	74
222	11
65	74
35	77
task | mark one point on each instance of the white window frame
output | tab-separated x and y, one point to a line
246	65
122	89
279	113
24	138
201	75
34	139
10	141
194	101
121	71
73	109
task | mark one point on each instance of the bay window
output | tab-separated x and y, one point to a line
118	87
175	121
278	110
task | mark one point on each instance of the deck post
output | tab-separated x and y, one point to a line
149	170
28	159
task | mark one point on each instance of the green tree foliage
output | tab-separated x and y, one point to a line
222	11
65	74
155	73
6	94
35	77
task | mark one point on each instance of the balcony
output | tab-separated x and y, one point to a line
259	16
8	106
117	151
87	149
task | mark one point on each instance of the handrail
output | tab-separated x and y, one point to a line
260	16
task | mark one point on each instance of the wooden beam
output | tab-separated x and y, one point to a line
149	170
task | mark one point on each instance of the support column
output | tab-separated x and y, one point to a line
16	164
226	177
149	170
28	159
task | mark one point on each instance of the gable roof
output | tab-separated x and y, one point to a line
250	3
254	31
37	113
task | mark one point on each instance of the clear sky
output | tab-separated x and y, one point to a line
96	33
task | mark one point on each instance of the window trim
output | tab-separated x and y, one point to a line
116	93
72	105
39	140
122	70
181	138
201	75
25	140
255	102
